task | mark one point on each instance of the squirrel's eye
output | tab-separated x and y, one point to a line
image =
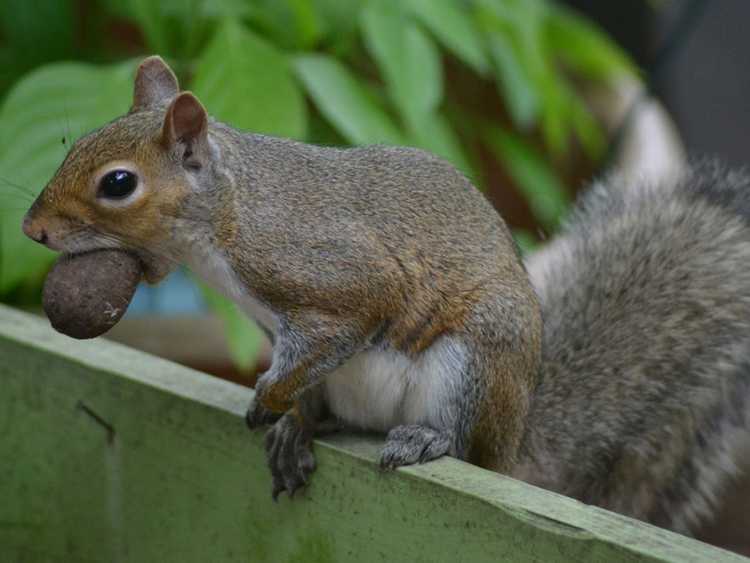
118	184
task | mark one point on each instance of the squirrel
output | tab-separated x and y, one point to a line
610	367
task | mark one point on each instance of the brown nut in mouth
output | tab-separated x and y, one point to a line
87	294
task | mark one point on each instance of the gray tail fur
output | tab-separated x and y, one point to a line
643	397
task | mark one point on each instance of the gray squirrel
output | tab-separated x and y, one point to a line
613	372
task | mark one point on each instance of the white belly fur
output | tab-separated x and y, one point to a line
382	388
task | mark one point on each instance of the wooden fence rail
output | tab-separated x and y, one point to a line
111	455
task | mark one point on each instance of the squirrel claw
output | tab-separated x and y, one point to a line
410	444
257	415
290	457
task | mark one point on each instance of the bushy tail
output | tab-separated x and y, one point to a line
644	394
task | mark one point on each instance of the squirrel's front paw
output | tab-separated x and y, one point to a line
409	444
257	415
290	457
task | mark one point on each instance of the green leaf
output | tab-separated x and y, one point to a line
244	337
345	103
408	59
514	81
451	23
149	16
556	128
588	129
583	47
308	25
218	9
276	21
338	18
565	114
247	82
532	84
178	28
54	102
540	186
515	29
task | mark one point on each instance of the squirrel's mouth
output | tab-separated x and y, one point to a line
155	268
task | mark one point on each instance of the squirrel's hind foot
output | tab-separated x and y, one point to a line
290	457
410	444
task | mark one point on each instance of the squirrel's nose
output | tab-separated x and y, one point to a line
34	231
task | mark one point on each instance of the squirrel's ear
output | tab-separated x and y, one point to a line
155	83
186	120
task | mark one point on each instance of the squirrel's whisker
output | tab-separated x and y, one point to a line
21	190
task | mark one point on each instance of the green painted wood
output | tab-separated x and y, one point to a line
108	454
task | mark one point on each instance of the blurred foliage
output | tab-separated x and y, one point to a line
326	71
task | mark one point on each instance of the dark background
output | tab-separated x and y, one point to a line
696	53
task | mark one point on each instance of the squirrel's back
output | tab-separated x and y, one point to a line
643	396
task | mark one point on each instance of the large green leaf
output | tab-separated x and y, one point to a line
345	103
451	23
244	337
583	47
53	103
541	188
247	82
514	81
408	59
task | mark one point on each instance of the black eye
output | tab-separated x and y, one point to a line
118	184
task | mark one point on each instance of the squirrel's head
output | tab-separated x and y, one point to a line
123	186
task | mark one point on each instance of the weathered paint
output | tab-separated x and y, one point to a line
108	454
